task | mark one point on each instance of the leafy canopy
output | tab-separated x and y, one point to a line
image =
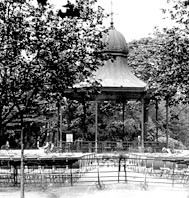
43	54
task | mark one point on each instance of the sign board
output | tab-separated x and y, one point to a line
69	137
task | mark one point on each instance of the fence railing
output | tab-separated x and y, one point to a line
44	169
100	170
110	146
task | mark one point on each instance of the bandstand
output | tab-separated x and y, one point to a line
117	81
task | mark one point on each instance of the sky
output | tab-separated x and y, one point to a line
133	18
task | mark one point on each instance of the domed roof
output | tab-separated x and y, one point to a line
116	73
116	79
116	43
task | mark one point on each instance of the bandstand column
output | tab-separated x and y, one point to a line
61	112
167	121
144	121
142	126
123	118
157	108
58	123
96	126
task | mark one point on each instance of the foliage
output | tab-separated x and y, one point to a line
141	57
20	80
110	120
42	54
177	123
173	144
111	125
178	12
69	47
162	62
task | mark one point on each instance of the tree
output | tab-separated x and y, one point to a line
21	80
42	55
72	50
142	58
178	12
70	47
162	62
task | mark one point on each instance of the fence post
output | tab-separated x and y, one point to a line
125	170
15	175
71	176
173	174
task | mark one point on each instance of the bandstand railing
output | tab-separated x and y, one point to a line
110	146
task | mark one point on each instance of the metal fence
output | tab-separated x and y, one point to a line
100	170
47	169
110	146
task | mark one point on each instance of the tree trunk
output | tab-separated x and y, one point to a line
22	158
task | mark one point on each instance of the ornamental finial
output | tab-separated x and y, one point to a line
112	14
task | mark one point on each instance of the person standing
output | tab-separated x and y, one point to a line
6	146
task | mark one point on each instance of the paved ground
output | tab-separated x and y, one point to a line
112	190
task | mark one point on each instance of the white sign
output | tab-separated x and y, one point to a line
69	137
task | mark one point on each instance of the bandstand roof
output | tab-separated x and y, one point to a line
115	76
116	79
